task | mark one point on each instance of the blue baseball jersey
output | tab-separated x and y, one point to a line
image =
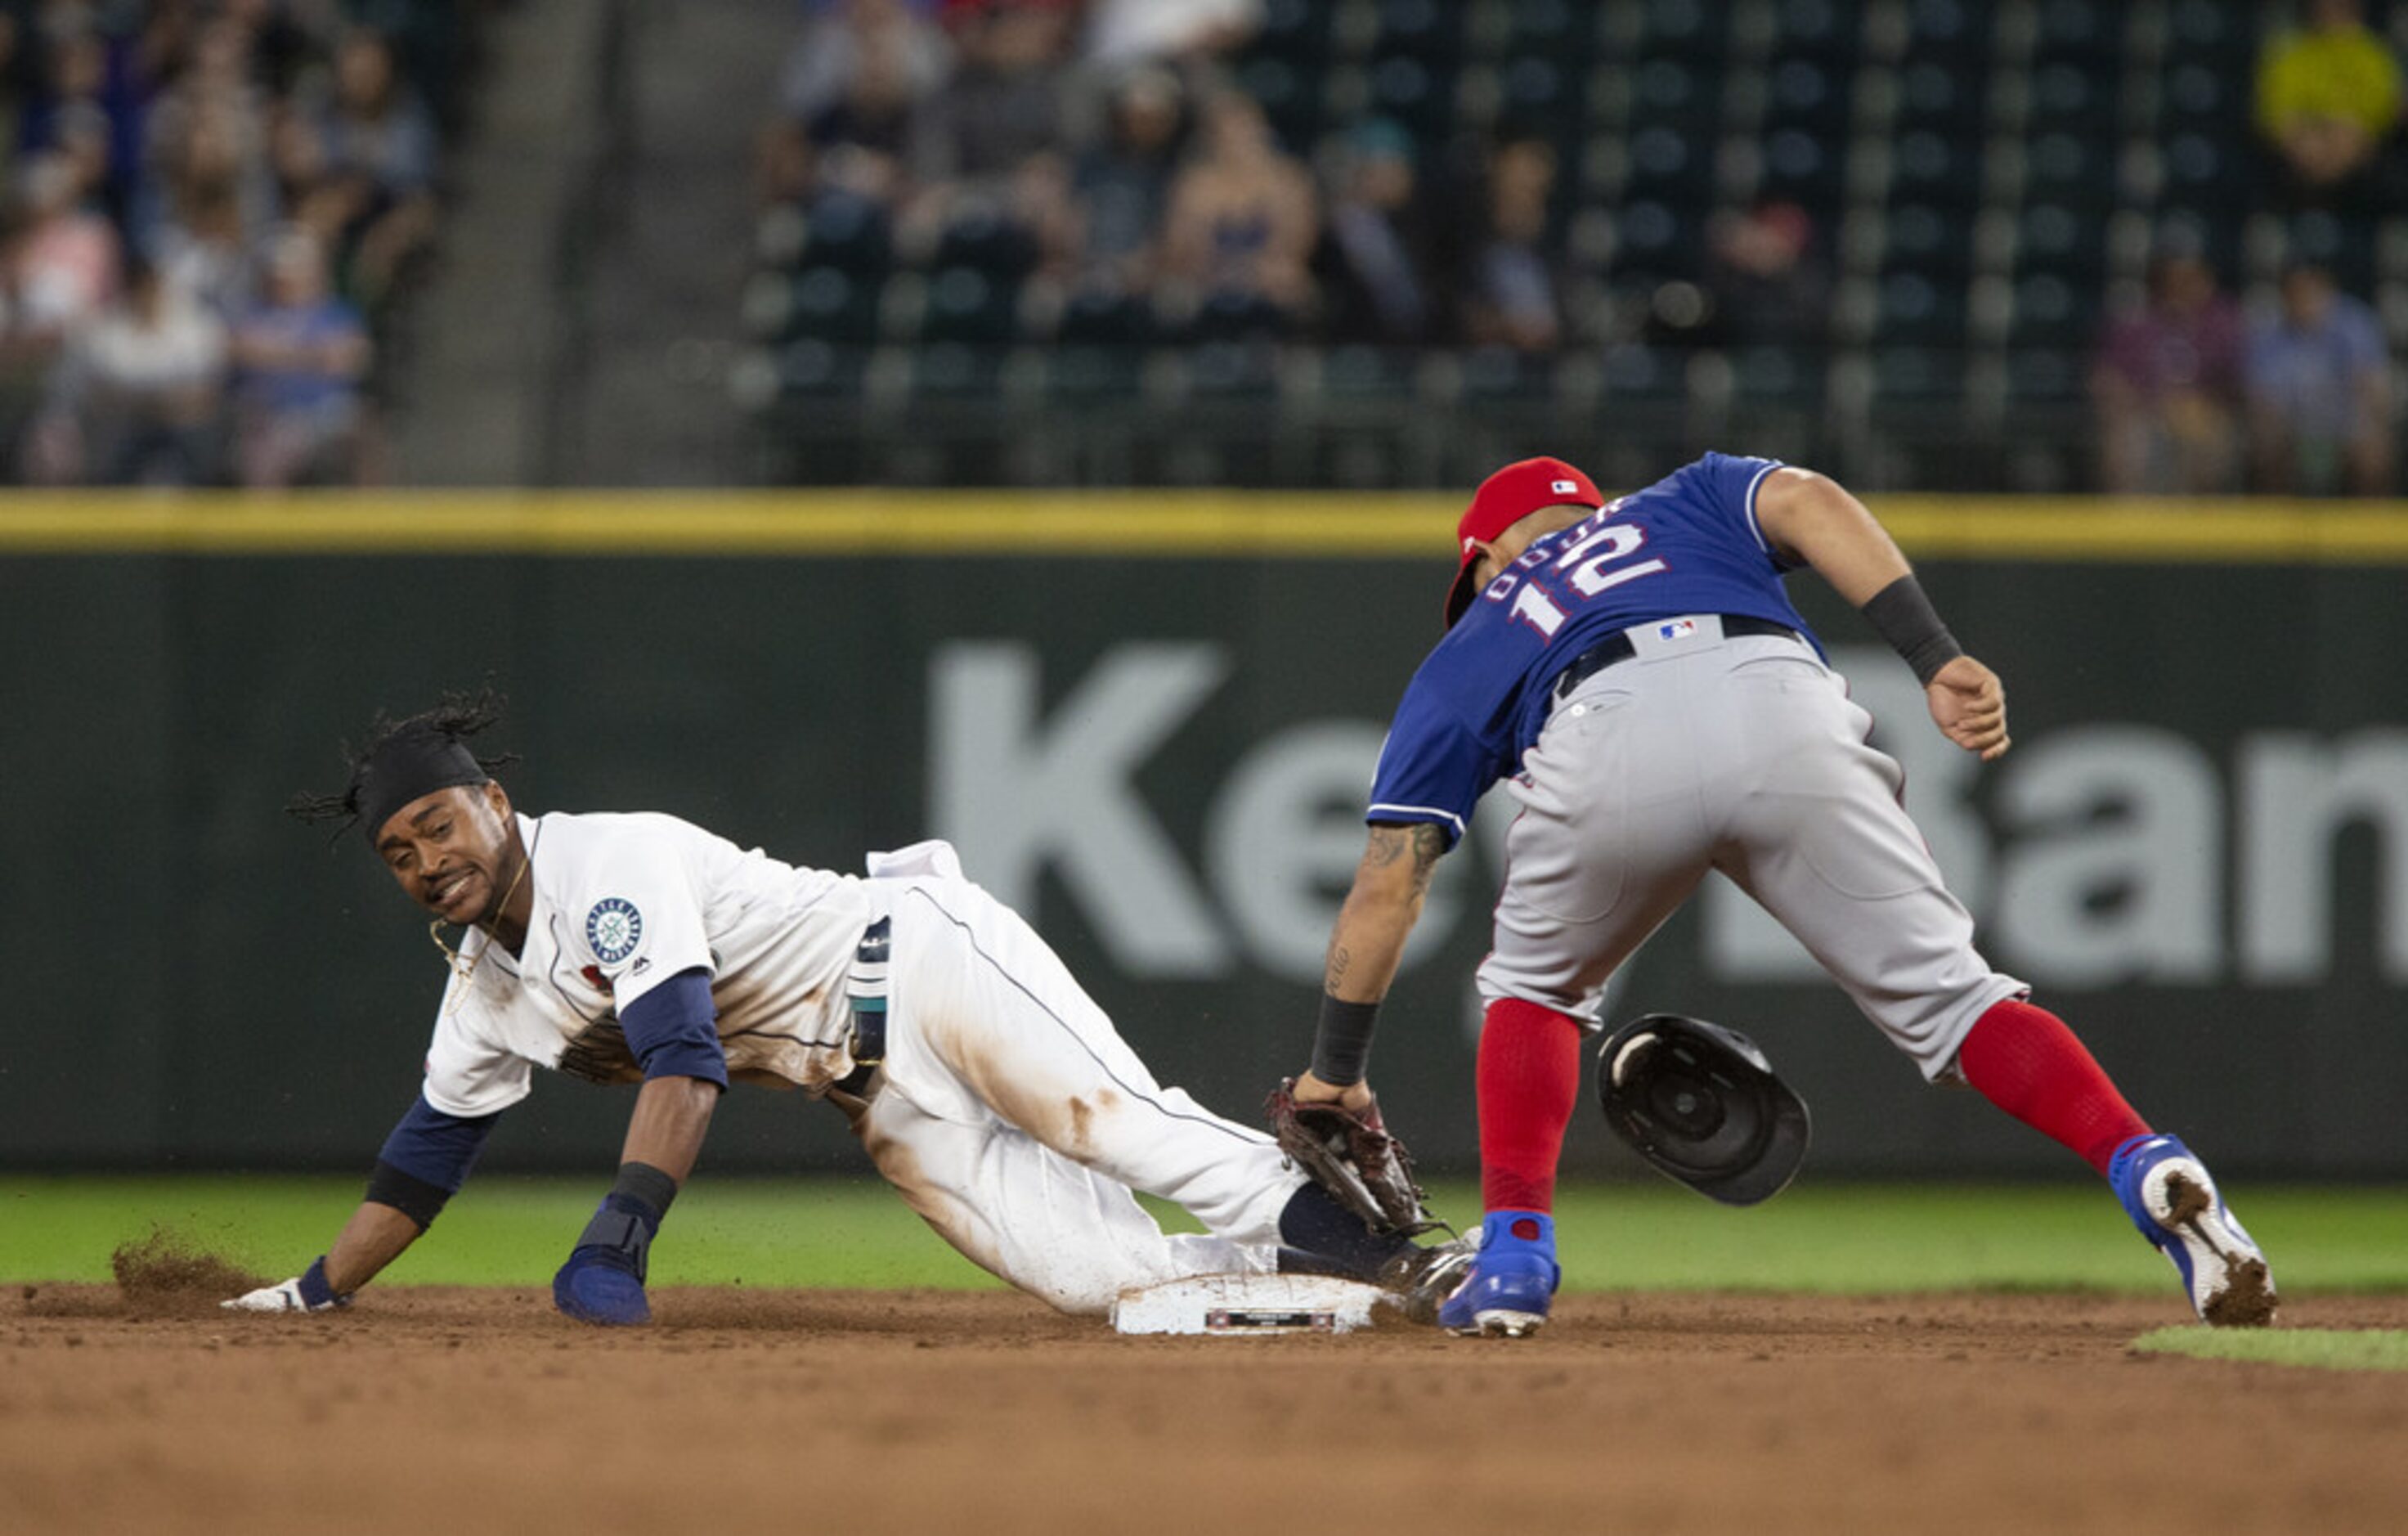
1688	544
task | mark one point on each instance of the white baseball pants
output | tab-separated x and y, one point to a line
1015	1120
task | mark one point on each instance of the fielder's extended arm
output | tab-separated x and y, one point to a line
1365	946
1812	520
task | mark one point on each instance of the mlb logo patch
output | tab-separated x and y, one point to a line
1565	488
1679	629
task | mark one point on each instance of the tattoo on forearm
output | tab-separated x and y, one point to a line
1422	840
1340	958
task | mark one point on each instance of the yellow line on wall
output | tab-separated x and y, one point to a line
1101	524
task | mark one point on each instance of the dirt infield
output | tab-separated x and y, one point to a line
462	1411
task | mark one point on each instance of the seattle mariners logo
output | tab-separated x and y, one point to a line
613	929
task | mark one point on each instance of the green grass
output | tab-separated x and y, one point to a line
1837	1238
2327	1349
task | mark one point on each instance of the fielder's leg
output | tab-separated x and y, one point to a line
1822	844
1602	853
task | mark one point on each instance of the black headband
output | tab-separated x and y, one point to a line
415	760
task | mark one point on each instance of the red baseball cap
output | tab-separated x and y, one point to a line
1505	499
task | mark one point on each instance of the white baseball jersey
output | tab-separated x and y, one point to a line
1009	1113
621	904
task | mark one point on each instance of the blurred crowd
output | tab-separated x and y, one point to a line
2197	395
212	208
1097	156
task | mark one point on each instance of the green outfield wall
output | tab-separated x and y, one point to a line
1149	720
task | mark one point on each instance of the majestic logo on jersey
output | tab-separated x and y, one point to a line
613	929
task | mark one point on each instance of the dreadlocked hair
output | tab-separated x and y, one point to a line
455	715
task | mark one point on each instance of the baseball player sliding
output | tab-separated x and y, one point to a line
1636	672
986	1087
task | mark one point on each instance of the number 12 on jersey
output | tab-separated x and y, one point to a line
1543	582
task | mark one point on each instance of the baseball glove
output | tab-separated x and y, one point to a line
1350	1154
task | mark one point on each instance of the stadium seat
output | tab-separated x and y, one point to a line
2070	168
1105	317
2053	310
1929	240
1801	167
2061	239
1667	165
2071	95
1501	373
1931	95
1424	29
1677	93
1232	369
1297	32
1368	373
847	232
811	367
1806	95
1826	30
1557	29
1635	371
1416	93
1084	372
951	369
1290	104
1692	30
2221	34
1932	169
2044	375
834	305
1657	242
1952	33
1777	374
966	304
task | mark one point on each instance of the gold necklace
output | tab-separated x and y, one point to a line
464	971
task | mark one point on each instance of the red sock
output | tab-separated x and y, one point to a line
1530	1083
2025	1061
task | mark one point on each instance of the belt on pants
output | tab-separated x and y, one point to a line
1618	647
865	989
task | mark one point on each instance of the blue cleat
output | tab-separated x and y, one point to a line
597	1290
1513	1280
2168	1194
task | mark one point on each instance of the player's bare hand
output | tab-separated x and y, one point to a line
1311	1090
1968	704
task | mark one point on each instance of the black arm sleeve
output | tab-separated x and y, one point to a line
1902	615
413	1197
1341	1047
426	1159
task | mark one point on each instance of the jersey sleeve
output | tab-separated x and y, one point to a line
1730	484
1433	767
467	1075
637	916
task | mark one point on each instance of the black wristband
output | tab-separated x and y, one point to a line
1902	615
649	1186
407	1193
1341	1047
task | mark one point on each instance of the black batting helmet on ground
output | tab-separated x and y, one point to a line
1700	1102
